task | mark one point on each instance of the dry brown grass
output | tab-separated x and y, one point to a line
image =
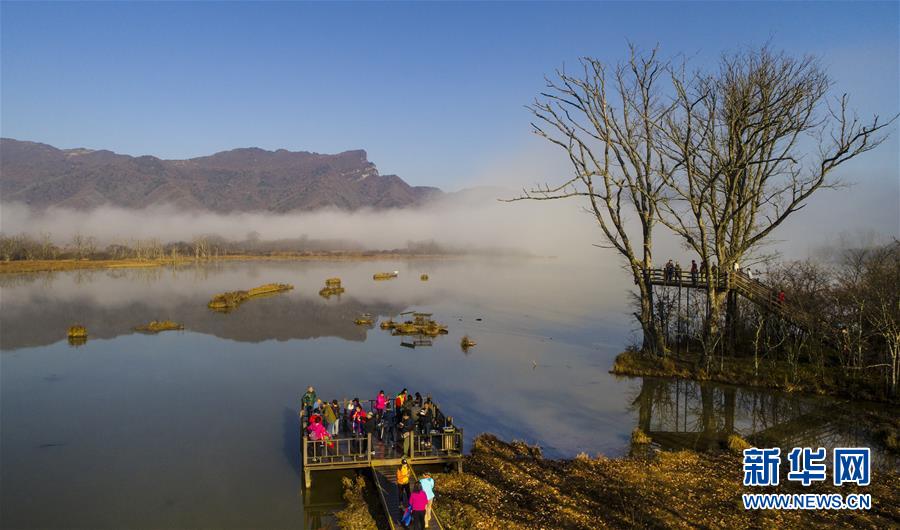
20	266
509	485
355	515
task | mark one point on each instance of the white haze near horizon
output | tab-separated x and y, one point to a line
476	219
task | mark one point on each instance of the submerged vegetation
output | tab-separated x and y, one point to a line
156	326
364	319
332	288
421	324
77	332
385	275
230	300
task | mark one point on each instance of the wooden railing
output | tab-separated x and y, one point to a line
438	443
337	450
685	278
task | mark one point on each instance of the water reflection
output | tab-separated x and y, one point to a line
680	414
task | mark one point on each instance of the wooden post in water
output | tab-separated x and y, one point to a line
307	474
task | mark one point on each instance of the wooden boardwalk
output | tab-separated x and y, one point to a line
386	481
751	289
441	447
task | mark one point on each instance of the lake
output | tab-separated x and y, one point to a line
199	427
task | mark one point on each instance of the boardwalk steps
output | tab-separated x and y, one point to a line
386	480
753	290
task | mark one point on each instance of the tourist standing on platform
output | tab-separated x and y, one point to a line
419	503
380	405
369	430
403	473
400	399
407	426
359	415
694	273
428	487
308	401
669	271
331	417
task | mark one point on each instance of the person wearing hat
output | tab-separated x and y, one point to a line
369	429
308	400
403	473
428	487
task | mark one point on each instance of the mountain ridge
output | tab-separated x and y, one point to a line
243	179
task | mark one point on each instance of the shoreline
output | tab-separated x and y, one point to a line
741	372
511	485
26	266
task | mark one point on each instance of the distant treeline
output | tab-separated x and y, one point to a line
44	247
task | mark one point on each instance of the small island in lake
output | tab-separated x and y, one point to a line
230	300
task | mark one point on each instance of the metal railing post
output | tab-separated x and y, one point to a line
369	448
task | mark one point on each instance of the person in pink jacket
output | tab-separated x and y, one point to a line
419	502
380	405
318	432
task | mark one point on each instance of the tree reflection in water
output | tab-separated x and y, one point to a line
679	414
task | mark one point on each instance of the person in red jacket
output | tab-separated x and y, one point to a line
399	400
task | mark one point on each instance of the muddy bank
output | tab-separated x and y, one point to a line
511	486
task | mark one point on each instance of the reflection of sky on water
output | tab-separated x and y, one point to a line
197	428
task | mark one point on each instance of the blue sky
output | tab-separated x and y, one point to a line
434	92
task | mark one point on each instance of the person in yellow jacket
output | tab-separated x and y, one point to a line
403	474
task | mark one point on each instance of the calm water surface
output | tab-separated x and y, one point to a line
199	428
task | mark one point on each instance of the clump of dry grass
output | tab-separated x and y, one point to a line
77	332
639	437
355	515
736	444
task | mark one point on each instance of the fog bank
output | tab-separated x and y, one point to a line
474	218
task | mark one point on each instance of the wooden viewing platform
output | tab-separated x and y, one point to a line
382	457
366	452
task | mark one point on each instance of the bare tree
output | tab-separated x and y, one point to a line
606	123
737	142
